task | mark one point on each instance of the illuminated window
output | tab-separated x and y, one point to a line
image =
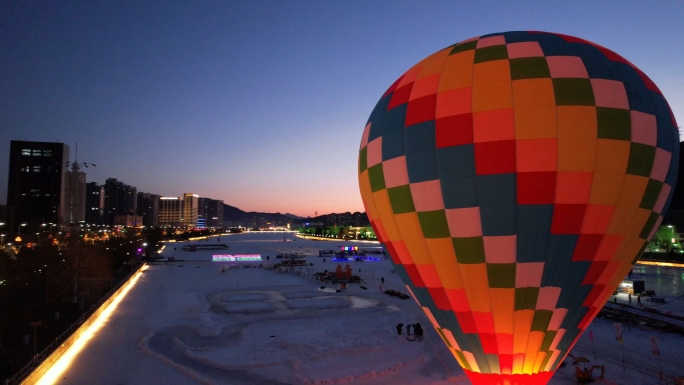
37	153
26	151
47	152
36	168
26	169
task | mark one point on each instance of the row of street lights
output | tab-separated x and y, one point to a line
3	235
18	238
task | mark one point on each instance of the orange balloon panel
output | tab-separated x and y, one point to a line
514	179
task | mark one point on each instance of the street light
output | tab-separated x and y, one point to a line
18	238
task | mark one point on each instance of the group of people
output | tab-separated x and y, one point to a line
417	331
629	298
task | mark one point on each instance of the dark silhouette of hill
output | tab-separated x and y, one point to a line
233	216
236	217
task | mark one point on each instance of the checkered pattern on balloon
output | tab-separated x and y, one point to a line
514	179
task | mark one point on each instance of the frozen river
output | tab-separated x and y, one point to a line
666	281
188	322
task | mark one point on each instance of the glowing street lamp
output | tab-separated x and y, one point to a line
18	238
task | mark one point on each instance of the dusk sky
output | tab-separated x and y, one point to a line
261	103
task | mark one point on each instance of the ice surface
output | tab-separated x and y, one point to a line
249	307
244	297
317	303
254	326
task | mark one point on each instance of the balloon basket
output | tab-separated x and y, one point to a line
541	378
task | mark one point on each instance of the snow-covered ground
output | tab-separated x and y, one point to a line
188	322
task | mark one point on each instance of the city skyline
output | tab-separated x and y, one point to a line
261	105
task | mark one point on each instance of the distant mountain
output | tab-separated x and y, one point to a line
232	212
233	216
236	217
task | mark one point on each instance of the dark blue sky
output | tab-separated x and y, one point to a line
261	103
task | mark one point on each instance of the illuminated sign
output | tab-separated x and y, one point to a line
235	258
349	248
350	259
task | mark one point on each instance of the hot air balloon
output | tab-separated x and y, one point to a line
514	179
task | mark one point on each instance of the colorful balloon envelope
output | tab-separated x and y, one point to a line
514	179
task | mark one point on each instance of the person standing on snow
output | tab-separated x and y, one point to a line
408	329
399	327
418	331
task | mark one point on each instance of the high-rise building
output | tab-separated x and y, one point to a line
210	212
3	214
121	201
170	212
202	208
94	203
202	204
36	188
216	214
75	195
126	220
148	209
190	203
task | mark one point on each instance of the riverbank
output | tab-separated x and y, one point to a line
308	237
